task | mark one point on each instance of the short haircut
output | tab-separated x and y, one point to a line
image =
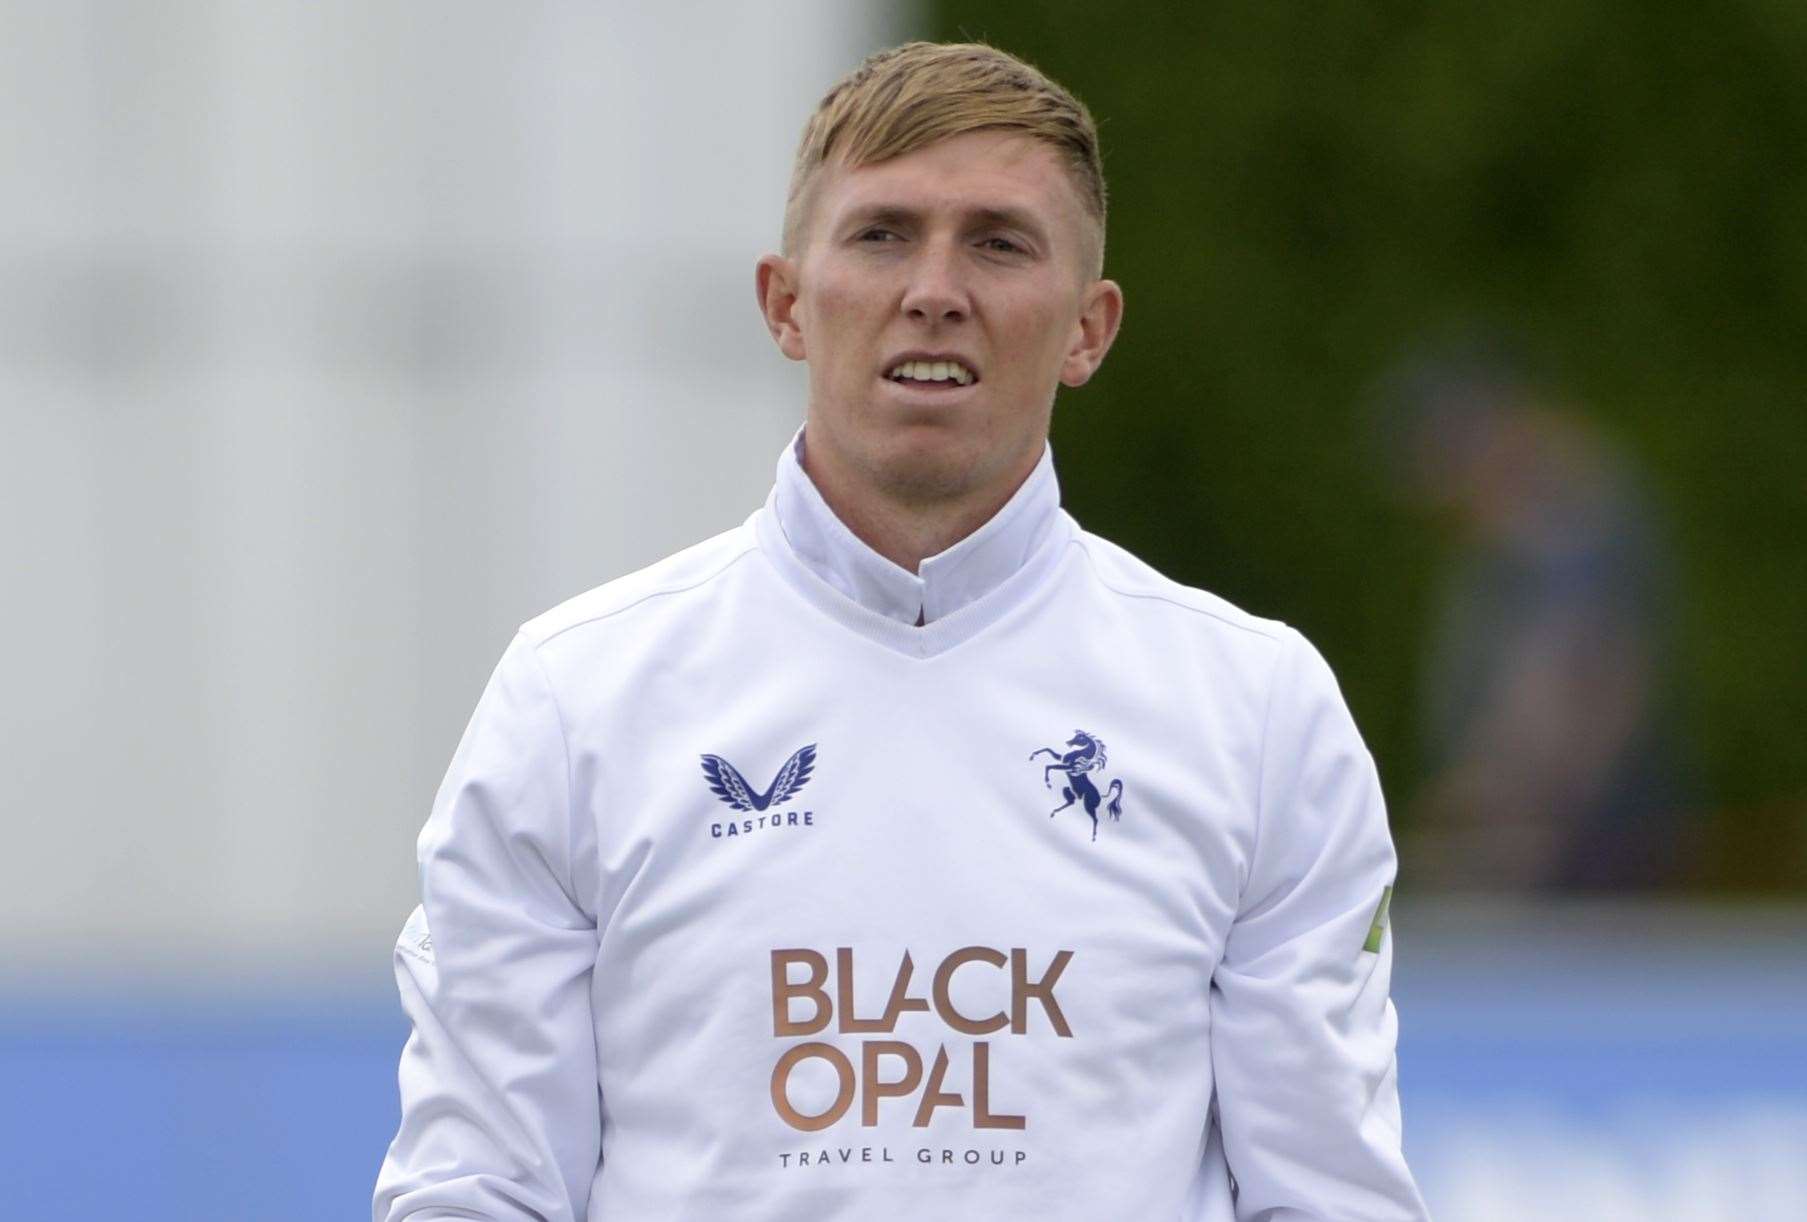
901	99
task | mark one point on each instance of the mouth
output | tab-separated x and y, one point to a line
931	378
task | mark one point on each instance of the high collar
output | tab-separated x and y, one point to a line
946	581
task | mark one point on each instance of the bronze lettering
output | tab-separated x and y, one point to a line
982	1117
876	1088
933	1096
783	990
781	1074
1042	990
900	1001
944	1004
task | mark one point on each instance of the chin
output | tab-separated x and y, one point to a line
931	467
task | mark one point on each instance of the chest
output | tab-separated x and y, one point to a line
1007	807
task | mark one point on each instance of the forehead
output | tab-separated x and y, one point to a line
973	172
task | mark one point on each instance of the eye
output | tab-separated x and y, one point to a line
867	235
1006	246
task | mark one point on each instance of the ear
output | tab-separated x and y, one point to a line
1100	313
775	283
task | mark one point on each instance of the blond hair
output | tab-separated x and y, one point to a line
901	99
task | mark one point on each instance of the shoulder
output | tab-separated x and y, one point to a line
1264	668
683	577
1128	578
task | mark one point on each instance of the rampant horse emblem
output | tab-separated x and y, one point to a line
1087	756
731	787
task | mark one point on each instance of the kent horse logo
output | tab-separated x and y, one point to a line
728	785
1087	756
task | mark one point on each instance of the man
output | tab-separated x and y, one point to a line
1065	897
1555	758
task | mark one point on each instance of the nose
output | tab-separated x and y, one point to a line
936	291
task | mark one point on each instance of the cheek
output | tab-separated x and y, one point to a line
1045	335
837	301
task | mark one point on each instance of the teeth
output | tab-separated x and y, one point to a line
933	371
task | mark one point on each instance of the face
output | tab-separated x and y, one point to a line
972	250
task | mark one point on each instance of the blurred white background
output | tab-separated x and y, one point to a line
335	341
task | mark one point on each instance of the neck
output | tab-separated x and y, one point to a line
903	530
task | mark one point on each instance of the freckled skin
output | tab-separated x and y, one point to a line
912	476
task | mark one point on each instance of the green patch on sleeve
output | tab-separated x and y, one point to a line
1378	928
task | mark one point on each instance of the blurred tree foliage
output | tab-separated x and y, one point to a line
1301	192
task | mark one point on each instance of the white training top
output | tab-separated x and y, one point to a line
747	898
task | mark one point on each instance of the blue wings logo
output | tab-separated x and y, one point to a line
727	784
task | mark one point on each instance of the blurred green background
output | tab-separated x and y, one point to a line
1302	193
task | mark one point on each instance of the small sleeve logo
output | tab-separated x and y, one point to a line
1378	927
416	939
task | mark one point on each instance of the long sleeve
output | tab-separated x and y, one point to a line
501	1112
1303	1031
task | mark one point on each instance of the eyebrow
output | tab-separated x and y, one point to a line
897	214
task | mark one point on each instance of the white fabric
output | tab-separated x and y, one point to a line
611	967
944	582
